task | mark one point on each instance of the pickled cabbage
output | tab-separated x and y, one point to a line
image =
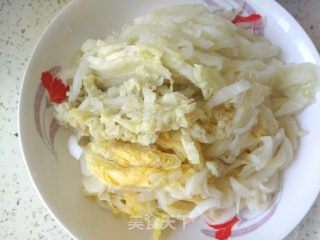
183	113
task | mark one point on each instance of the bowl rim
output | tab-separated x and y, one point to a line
47	28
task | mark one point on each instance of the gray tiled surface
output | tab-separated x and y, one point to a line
22	215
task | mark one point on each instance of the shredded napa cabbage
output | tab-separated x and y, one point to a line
183	114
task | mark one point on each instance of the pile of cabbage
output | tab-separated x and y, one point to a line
183	113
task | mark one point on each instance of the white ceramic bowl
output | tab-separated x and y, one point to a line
56	175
